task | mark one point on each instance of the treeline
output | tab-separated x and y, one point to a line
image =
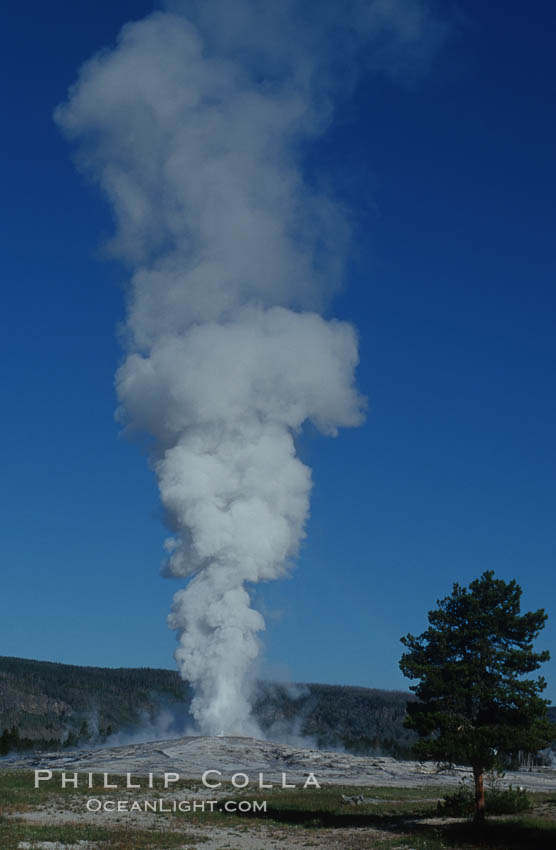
12	741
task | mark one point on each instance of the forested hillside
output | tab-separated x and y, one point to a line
360	720
49	705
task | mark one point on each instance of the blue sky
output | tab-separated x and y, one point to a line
449	178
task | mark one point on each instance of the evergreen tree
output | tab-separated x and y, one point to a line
473	700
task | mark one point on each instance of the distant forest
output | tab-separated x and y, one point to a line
44	705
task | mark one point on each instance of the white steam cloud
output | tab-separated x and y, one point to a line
193	125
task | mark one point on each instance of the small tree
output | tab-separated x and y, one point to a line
473	701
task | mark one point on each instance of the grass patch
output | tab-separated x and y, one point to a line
390	818
324	807
112	838
17	791
524	833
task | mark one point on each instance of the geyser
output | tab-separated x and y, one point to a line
193	126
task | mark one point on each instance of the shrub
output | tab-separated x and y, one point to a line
498	801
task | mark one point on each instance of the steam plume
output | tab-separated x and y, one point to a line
193	125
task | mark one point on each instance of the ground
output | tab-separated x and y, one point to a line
394	804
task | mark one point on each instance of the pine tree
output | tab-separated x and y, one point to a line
473	700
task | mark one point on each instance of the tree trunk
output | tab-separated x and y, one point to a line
479	794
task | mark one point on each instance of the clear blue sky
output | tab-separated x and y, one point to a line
450	181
